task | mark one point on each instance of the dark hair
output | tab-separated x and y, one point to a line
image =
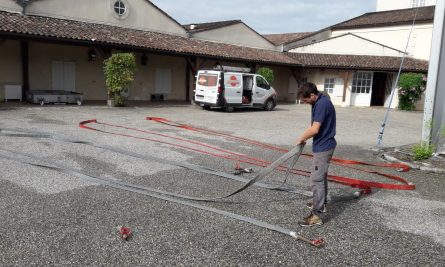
307	89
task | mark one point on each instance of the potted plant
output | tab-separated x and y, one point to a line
119	74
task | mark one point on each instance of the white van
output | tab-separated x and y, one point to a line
229	89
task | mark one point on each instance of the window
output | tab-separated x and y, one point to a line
417	3
361	82
329	84
208	80
119	7
260	82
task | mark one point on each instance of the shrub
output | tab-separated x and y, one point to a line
423	151
119	73
411	87
267	74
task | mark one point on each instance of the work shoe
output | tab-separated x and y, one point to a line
311	220
310	205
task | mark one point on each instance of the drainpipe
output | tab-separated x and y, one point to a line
23	3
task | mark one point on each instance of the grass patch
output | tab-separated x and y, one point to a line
422	151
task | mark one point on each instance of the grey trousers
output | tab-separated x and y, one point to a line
319	179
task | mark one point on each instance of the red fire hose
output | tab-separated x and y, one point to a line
226	154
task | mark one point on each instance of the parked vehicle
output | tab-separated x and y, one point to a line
231	87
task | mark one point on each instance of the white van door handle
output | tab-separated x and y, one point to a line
257	93
238	92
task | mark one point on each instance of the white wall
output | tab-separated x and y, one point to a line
318	76
347	45
238	34
323	35
397	36
141	14
383	5
10	5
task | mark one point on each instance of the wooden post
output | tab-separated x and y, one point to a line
296	74
24	51
346	77
187	82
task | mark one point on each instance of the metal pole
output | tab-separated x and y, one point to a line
382	128
434	111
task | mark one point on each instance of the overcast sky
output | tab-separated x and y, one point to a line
268	16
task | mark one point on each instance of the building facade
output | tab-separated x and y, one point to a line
61	45
384	5
385	34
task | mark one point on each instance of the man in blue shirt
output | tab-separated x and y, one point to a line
322	130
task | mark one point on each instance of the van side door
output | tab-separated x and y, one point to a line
261	90
233	88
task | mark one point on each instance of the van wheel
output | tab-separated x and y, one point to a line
270	105
229	109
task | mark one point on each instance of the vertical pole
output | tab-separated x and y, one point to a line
187	82
346	75
434	111
383	125
24	53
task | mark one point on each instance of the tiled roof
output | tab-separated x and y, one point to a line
61	30
100	34
391	17
199	27
282	38
359	62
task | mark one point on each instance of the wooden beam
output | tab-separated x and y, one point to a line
346	78
199	63
187	82
24	54
191	65
297	75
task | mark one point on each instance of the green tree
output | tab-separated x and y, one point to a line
267	74
119	74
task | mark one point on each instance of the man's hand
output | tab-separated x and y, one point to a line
309	133
301	142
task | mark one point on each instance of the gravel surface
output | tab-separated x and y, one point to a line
55	219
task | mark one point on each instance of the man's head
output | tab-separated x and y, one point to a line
308	93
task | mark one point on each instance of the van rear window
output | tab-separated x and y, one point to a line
208	79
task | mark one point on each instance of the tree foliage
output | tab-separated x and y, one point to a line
119	73
411	87
267	74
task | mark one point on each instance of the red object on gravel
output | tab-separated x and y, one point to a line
125	232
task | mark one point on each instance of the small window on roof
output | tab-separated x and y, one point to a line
119	7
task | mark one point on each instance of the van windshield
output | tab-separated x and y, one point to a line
208	79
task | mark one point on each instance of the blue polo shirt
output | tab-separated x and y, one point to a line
324	112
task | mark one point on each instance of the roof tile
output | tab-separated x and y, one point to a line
391	17
105	34
91	33
359	62
282	38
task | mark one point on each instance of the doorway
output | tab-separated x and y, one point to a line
64	76
379	89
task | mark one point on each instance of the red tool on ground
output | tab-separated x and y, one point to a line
240	170
125	232
314	242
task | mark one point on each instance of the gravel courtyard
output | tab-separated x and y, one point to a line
51	218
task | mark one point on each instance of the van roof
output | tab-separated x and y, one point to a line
229	69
